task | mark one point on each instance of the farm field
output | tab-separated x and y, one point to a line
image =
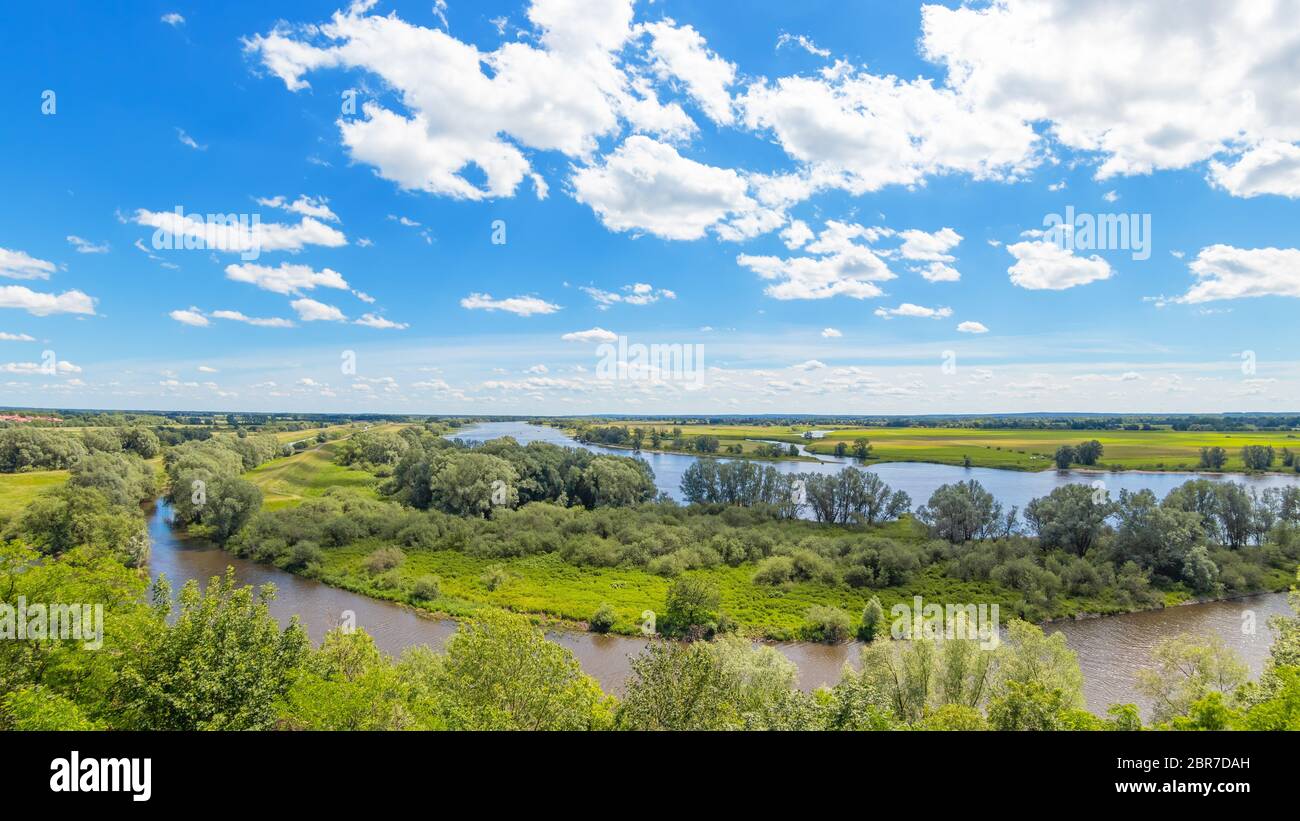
1007	449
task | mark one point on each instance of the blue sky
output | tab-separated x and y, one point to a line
840	207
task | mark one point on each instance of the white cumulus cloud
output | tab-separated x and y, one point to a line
1042	264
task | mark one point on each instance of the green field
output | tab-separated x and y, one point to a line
1008	449
286	482
17	490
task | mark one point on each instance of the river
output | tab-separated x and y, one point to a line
1111	649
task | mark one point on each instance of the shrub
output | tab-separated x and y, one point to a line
495	576
774	570
826	624
303	556
872	616
602	621
858	576
691	603
383	559
427	588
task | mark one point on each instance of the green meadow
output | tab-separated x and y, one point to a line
17	490
287	481
547	586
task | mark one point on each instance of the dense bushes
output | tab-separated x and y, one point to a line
98	508
376	451
204	485
124	479
28	448
827	624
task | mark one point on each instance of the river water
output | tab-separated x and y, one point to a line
1111	649
918	479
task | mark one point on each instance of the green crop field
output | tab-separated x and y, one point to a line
1009	449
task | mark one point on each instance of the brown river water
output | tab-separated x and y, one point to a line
1111	649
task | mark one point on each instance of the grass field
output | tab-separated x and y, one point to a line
1008	449
286	482
547	585
310	433
17	490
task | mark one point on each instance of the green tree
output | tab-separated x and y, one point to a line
872	617
613	481
1029	657
223	664
1257	457
1089	453
691	607
232	501
676	686
471	484
501	673
1069	518
1155	537
1184	669
961	511
1027	706
141	441
349	685
1213	458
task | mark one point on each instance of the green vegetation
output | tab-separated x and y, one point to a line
17	490
98	508
576	537
306	475
205	488
216	660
